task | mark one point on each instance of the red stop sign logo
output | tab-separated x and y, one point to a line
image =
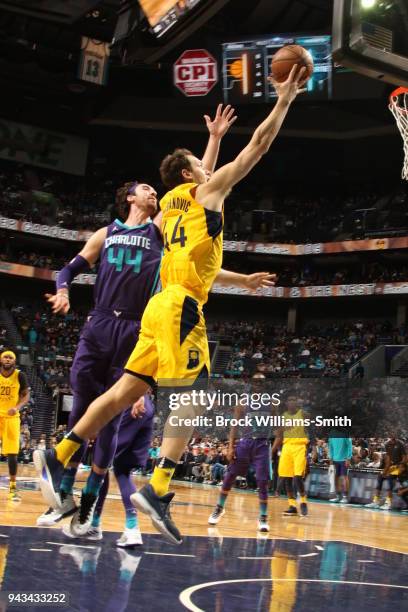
195	72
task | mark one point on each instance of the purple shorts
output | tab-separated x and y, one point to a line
134	438
340	467
103	350
252	451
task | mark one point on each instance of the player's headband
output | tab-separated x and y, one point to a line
8	354
132	188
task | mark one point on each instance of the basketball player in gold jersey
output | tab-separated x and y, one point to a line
292	462
172	347
14	394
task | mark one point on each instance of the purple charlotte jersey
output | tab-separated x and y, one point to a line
127	277
129	268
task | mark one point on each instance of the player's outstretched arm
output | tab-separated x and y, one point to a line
212	193
252	282
81	262
217	128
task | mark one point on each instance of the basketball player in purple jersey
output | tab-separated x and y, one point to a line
252	449
129	255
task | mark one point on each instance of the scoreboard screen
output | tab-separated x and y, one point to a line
247	65
164	14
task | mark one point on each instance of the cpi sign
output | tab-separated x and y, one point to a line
195	72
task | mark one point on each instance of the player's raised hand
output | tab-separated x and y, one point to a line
138	408
222	121
289	89
260	280
59	302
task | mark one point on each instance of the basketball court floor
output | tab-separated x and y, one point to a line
338	558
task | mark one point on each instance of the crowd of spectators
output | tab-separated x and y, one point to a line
205	460
255	345
52	198
319	350
278	217
37	260
367	453
52	341
259	213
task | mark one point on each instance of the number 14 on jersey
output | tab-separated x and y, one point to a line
178	235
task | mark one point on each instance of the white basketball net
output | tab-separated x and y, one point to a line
399	108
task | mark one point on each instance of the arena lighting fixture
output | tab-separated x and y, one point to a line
367	4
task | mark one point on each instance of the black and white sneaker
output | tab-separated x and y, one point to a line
291	511
82	519
51	516
158	508
50	472
216	515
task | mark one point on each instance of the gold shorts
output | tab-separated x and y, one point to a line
10	434
292	461
172	349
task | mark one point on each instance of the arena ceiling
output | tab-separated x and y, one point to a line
39	44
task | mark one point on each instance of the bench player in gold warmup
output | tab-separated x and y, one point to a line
172	347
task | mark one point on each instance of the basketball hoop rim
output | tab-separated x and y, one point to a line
394	96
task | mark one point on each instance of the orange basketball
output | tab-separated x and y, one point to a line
286	58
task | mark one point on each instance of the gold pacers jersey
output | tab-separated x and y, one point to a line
192	242
9	392
295	434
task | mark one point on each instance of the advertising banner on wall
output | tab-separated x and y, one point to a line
229	246
270	292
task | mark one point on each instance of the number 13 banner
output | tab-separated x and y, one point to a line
94	61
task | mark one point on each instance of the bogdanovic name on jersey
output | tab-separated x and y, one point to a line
139	241
178	204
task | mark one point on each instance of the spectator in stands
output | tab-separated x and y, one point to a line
42	443
210	460
185	459
193	468
153	454
219	466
